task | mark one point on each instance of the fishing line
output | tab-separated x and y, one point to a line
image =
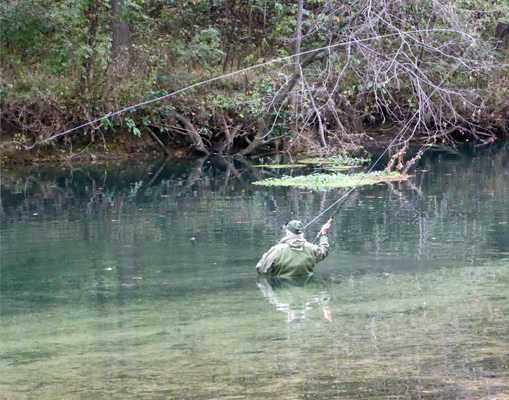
233	74
347	194
407	124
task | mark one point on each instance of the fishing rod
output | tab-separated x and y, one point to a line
349	193
112	114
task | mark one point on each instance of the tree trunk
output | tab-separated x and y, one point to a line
93	17
296	47
121	36
193	134
264	122
321	129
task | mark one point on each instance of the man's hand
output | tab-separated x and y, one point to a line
326	227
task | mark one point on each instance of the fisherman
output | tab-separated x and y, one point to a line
293	255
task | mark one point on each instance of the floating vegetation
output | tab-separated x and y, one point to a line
276	166
335	161
327	181
341	168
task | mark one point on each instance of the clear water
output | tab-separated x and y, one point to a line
137	281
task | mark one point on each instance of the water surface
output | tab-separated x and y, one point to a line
137	281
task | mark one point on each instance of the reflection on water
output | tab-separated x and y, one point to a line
295	296
138	281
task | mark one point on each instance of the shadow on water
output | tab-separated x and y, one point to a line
137	280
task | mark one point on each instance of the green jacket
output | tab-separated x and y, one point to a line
293	257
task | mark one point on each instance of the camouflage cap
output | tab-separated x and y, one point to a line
295	227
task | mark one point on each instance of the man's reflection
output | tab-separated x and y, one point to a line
296	296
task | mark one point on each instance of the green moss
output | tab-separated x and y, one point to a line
327	181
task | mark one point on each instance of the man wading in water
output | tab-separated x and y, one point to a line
293	255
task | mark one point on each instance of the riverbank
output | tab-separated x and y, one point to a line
103	148
117	147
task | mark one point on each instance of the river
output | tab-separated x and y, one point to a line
137	280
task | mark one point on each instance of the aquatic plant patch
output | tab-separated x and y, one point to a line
277	166
335	161
340	168
326	181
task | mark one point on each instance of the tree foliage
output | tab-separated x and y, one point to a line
428	70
